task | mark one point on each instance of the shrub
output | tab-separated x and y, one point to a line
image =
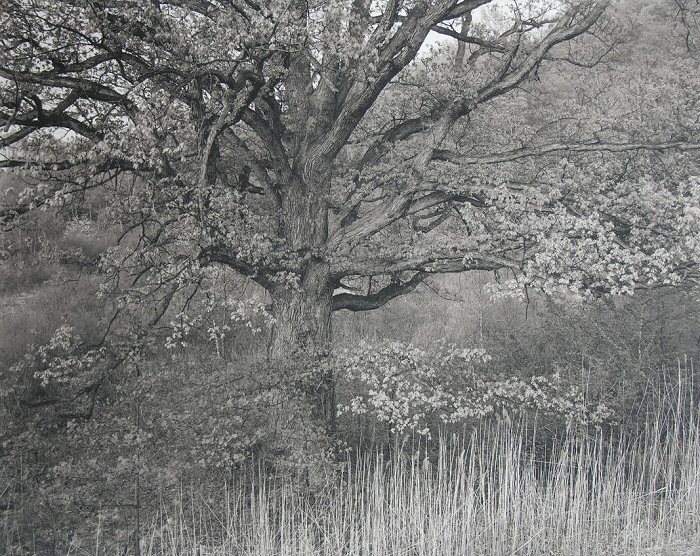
413	390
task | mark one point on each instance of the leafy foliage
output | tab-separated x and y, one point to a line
413	390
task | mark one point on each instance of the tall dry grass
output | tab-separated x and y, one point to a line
487	493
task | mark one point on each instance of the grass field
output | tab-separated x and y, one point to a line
486	493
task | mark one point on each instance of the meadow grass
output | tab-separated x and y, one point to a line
487	492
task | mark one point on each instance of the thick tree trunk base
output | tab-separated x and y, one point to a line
300	343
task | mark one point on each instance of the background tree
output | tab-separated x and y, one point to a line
317	148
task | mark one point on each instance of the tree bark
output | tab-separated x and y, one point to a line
302	333
303	314
302	311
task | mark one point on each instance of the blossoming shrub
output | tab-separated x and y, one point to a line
407	389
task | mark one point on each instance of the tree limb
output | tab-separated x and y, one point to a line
431	264
517	154
378	299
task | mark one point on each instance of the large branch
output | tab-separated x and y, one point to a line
407	203
393	210
34	121
86	87
517	154
39	118
437	125
226	257
431	264
378	299
392	55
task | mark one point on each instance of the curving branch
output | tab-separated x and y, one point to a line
87	88
217	255
378	299
518	154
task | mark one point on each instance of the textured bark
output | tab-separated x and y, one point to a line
302	311
302	332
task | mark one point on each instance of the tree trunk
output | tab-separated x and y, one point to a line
302	332
303	311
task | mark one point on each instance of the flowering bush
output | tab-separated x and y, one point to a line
414	389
